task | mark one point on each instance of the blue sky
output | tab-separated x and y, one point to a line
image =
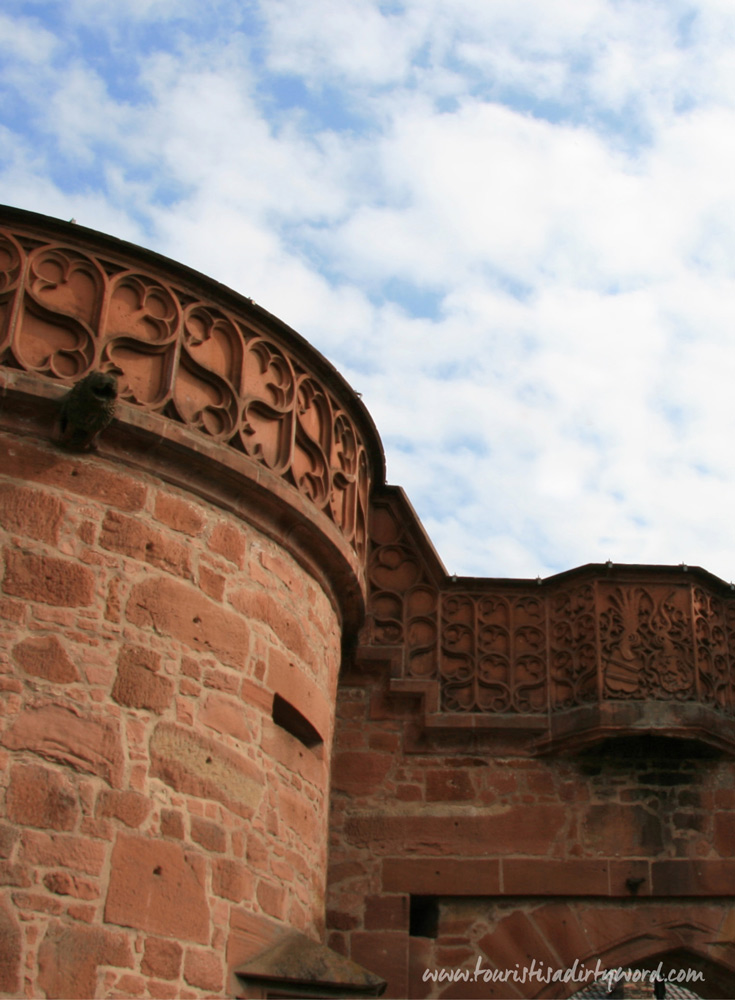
509	223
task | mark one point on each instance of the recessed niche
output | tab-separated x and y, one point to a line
288	717
423	917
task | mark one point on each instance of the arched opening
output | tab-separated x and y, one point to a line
686	975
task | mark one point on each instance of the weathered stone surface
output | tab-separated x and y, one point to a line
37	796
232	879
8	838
158	887
199	766
61	582
51	849
137	539
80	740
203	969
298	811
476	836
138	687
210	835
229	541
45	656
358	772
31	512
80	477
65	884
131	808
69	957
282	620
179	514
179	610
10	952
225	714
162	958
442	876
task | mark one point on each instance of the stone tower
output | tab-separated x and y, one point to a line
174	604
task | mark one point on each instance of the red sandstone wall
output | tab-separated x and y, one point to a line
153	812
527	858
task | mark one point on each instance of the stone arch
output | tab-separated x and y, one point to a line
681	935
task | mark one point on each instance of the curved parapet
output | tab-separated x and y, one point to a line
200	369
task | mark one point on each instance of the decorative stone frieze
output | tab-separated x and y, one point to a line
187	349
595	652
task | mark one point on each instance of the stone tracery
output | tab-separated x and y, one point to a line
500	649
65	312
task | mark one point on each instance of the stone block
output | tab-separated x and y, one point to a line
232	880
70	955
535	826
199	766
10	952
81	854
386	913
272	898
172	824
203	969
229	541
177	609
33	513
80	740
137	687
85	477
138	540
385	953
449	785
517	939
209	835
560	928
35	577
46	657
360	772
545	877
162	958
37	796
179	514
297	810
225	714
131	808
283	621
63	883
432	876
157	887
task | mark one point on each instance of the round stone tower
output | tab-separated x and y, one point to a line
175	595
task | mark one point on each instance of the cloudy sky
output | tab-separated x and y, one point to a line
509	223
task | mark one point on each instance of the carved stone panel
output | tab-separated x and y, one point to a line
573	646
646	642
403	600
493	653
66	311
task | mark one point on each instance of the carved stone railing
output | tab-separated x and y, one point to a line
587	654
189	350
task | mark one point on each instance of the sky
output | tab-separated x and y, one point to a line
510	224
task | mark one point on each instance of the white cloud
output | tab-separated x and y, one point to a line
554	179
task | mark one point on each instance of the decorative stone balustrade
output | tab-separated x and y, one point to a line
596	652
187	349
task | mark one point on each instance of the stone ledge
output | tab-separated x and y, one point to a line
161	448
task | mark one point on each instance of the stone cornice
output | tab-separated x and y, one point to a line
215	393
